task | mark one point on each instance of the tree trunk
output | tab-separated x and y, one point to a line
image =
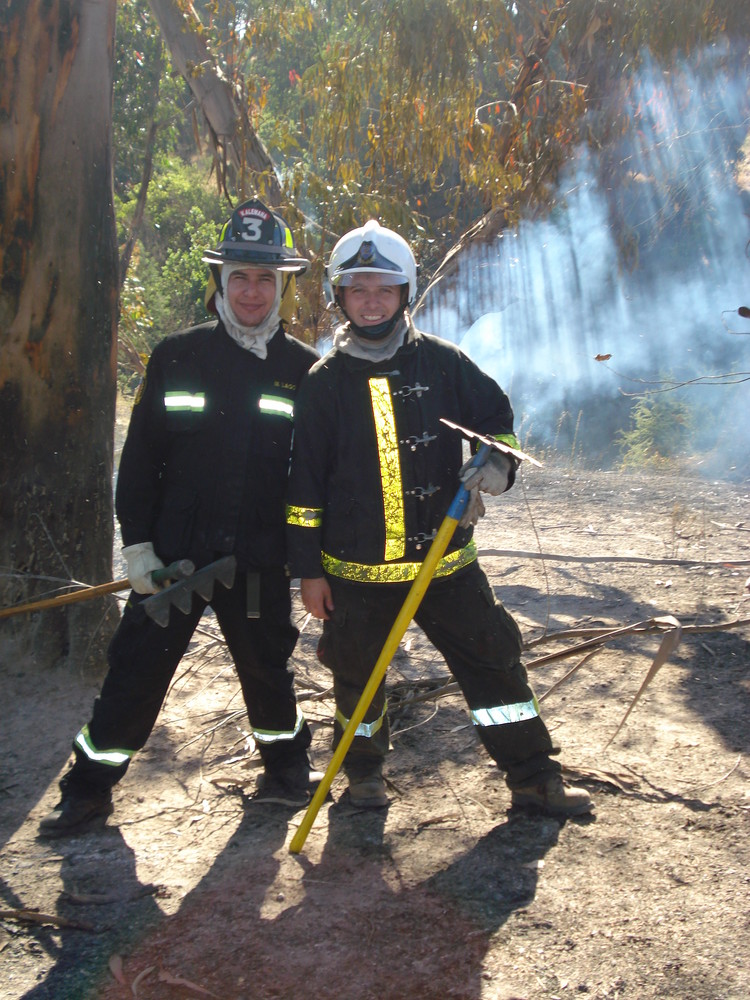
58	317
234	140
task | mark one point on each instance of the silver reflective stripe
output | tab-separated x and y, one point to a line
112	757
184	400
501	715
267	736
277	404
367	729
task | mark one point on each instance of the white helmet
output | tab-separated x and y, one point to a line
373	249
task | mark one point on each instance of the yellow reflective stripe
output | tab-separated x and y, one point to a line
304	517
112	757
502	715
366	729
510	439
397	572
390	468
267	736
184	400
277	404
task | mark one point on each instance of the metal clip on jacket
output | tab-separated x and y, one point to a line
408	390
420	492
421	537
413	441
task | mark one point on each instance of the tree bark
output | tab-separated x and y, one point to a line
58	320
237	146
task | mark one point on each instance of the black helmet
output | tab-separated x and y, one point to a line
256	235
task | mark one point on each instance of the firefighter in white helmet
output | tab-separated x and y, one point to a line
373	473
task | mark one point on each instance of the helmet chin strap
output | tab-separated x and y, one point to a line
380	331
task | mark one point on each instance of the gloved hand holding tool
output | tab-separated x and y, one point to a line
474	509
493	477
142	561
161	575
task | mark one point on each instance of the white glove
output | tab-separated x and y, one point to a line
492	477
142	560
474	509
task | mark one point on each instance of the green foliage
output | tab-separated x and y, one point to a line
660	430
145	91
409	111
424	114
166	281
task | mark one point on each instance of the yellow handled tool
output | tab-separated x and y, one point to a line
405	615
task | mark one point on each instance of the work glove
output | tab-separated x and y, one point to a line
473	510
493	477
142	561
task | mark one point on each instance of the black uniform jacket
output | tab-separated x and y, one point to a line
204	469
374	470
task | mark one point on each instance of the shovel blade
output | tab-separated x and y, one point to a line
180	594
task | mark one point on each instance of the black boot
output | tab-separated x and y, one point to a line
77	812
287	782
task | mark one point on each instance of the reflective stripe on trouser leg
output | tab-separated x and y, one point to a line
503	715
269	736
111	758
517	739
366	729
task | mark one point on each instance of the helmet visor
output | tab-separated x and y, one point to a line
385	277
369	260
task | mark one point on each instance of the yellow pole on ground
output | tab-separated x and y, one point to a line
405	615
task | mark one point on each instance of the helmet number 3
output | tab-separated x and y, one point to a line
251	229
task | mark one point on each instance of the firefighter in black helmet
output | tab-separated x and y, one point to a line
203	475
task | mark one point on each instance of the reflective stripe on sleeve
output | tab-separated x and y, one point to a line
402	572
277	404
304	517
390	468
194	401
510	439
268	736
114	758
502	715
366	729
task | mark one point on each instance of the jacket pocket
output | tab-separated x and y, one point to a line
173	532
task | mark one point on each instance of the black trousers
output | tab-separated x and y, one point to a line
481	644
143	657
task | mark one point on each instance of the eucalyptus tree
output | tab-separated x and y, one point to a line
58	308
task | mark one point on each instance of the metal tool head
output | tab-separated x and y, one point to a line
180	594
492	443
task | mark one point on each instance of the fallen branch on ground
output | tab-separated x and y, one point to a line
558	557
671	630
35	917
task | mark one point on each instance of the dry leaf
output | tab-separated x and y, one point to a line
137	981
115	967
167	977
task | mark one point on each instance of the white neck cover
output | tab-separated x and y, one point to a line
346	341
252	338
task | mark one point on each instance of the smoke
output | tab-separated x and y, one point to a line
538	306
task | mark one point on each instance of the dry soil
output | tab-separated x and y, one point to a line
191	890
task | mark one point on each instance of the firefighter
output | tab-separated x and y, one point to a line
373	474
203	475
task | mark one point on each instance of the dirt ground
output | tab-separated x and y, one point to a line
191	889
